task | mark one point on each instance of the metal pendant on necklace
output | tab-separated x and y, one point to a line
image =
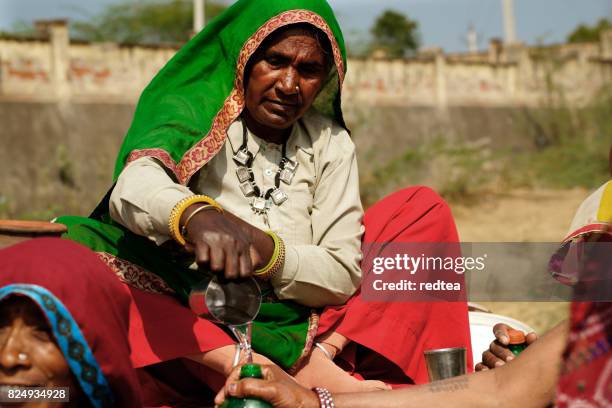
289	164
247	188
244	174
278	196
243	157
288	168
259	205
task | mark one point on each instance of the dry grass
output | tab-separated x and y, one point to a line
522	216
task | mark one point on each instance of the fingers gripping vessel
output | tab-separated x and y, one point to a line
247	371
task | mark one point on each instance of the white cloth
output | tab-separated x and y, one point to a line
320	222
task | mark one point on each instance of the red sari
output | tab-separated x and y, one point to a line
586	372
73	275
389	338
394	335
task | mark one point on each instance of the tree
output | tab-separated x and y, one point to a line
586	33
396	34
20	29
144	22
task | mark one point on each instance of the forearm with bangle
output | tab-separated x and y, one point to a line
179	221
178	232
325	397
276	262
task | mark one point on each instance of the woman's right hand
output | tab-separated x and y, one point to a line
219	243
276	387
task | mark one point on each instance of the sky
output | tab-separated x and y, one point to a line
443	23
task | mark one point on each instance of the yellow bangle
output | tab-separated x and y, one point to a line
277	260
274	256
180	207
194	212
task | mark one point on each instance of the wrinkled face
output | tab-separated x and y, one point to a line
29	355
285	76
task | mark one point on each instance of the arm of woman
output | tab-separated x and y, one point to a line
144	197
328	272
528	382
142	201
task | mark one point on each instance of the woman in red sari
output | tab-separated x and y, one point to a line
64	323
238	149
585	261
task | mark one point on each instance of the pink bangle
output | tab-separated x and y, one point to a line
325	397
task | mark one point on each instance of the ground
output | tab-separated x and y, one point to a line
522	216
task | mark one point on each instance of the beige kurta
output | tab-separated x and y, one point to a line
320	222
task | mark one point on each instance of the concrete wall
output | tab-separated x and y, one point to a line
52	68
516	77
58	158
65	107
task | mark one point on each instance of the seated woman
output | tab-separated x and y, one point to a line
584	260
238	156
54	334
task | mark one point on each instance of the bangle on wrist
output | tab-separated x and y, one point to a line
325	397
194	212
325	351
175	215
276	262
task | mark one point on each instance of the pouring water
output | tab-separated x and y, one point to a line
234	303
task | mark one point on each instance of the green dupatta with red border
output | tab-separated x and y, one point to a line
183	115
182	119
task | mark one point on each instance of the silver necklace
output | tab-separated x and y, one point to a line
261	202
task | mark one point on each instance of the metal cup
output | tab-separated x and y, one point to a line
445	363
231	302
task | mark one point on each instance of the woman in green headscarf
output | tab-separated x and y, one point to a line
244	85
238	157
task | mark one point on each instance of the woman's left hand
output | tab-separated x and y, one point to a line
276	387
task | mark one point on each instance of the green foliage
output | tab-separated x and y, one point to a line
8	210
20	29
569	149
4	206
396	34
65	169
576	152
586	33
144	22
457	171
45	214
575	163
